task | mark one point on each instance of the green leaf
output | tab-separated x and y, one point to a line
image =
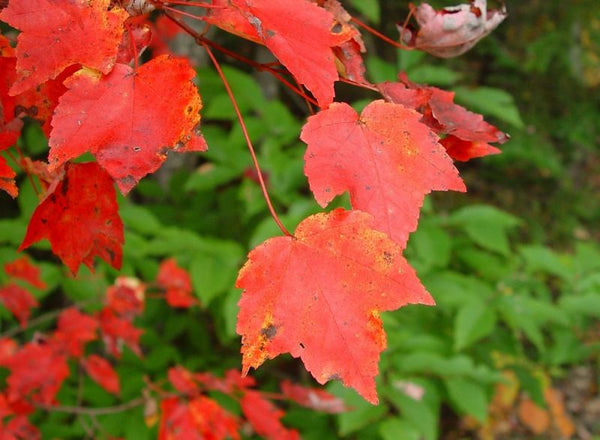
362	413
473	322
586	305
492	102
214	271
421	414
432	246
369	8
139	219
395	429
468	396
541	259
433	75
485	225
12	231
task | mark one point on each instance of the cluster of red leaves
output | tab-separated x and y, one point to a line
16	297
193	414
39	368
316	295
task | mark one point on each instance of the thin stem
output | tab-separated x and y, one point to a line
380	35
248	141
178	11
49	316
357	84
29	176
133	47
93	411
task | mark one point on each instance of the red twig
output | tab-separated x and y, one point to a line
380	35
357	84
248	141
29	176
178	11
133	47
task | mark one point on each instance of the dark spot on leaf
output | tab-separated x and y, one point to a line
137	148
368	188
65	186
388	257
337	28
269	332
270	33
302	345
334	376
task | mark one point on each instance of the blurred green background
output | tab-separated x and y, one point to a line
514	264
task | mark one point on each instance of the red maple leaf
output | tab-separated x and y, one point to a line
18	301
126	296
183	380
467	134
453	30
315	398
22	268
152	110
201	418
136	39
102	372
176	281
19	428
7	176
318	296
37	372
265	417
117	331
74	330
385	158
282	26
8	347
59	33
348	52
79	216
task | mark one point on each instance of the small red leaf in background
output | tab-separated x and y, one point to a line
282	26
176	281
37	371
318	296
7	176
18	301
8	347
467	134
153	110
19	428
22	269
385	158
264	417
79	216
314	398
126	296
74	330
453	30
50	41
348	52
141	35
197	419
117	331
183	380
102	372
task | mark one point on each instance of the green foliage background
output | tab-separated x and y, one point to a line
514	264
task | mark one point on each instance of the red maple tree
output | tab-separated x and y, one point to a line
316	294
